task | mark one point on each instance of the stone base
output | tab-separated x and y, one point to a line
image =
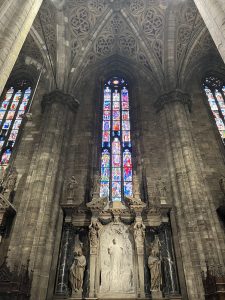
117	296
156	295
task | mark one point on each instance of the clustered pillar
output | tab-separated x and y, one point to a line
42	192
197	224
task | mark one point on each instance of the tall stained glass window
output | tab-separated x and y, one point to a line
14	104
116	160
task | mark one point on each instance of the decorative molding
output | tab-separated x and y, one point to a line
173	97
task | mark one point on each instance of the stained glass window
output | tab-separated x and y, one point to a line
15	102
215	92
116	159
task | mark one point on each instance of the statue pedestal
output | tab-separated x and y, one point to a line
77	295
156	295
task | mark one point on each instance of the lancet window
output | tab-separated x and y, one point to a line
116	160
14	104
215	92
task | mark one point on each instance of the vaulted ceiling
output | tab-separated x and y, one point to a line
164	39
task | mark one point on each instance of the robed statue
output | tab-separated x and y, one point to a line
154	265
77	272
71	187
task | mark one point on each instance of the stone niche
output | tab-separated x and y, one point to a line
116	265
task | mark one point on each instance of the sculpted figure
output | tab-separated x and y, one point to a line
93	232
116	264
71	186
96	185
77	271
9	185
139	233
161	187
154	265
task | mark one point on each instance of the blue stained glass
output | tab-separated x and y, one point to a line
105	173
116	115
128	188
107	94
6	125
106	125
107	105
127	174
116	189
116	174
124	93
105	159
4	105
125	125
106	115
104	189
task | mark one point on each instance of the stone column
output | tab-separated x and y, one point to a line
196	217
94	246
213	14
139	237
34	236
16	18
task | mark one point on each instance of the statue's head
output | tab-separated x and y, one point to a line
114	241
79	252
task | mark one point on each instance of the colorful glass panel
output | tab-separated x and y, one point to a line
217	106
13	107
116	162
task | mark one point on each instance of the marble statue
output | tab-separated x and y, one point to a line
139	233
161	187
116	260
71	186
77	269
93	232
154	265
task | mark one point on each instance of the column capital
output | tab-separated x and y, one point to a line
172	97
59	96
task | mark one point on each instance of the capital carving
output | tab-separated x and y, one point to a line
58	96
172	97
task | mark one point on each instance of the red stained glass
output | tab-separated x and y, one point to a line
125	115
127	162
5	157
116	125
13	106
125	105
127	173
23	106
4	105
116	161
106	136
126	136
9	94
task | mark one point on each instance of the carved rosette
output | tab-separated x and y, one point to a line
173	97
59	97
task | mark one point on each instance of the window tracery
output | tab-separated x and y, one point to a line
215	92
116	160
15	103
